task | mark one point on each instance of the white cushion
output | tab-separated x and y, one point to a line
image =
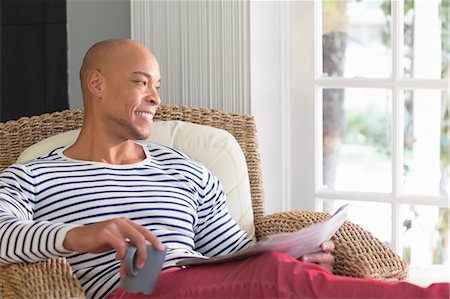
217	149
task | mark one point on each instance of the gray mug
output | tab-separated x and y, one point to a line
142	280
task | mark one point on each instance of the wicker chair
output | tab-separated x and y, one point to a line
357	253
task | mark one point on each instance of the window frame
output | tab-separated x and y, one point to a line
397	84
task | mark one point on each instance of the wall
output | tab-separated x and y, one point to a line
87	23
202	48
267	98
282	64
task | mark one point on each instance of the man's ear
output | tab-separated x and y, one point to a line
95	82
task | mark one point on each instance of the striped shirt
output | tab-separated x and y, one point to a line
176	198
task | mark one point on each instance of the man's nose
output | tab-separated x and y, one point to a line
153	97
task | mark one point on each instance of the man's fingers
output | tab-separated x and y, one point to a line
130	230
139	236
117	242
123	229
319	258
156	243
328	268
122	271
327	246
324	260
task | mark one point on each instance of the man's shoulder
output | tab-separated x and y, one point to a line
166	155
27	167
51	158
158	150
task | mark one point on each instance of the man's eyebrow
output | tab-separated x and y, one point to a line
142	73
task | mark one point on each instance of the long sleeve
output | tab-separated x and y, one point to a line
23	238
216	232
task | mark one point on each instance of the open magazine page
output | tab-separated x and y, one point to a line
295	244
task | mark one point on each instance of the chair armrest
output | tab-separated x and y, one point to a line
49	279
357	252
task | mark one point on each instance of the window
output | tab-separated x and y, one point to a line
381	86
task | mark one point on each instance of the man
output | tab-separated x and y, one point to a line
87	201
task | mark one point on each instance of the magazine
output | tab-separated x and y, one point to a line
295	244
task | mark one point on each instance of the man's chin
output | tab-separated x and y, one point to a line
138	133
132	131
141	136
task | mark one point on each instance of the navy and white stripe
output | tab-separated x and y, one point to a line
178	199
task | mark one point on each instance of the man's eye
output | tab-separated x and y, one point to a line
141	82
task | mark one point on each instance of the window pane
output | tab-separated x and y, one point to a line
356	39
356	139
426	142
426	39
378	221
424	234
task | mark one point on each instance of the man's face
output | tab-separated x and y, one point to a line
130	97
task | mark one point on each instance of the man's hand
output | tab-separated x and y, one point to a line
324	258
112	234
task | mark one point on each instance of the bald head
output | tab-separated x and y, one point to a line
120	79
104	54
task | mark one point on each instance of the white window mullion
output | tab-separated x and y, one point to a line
285	107
318	98
397	40
354	83
425	200
397	165
355	196
318	107
383	83
318	32
423	83
397	121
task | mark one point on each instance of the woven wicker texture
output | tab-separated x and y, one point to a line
357	253
49	279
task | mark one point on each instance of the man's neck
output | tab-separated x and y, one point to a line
98	148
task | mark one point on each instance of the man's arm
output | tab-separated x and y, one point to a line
216	232
21	238
112	234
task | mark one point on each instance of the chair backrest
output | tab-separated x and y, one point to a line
17	135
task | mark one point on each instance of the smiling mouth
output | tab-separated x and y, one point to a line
147	115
